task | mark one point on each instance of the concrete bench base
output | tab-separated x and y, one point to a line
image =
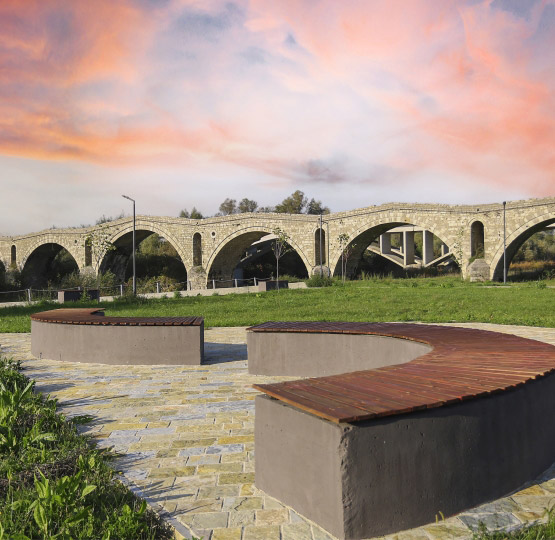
413	421
325	354
377	477
94	338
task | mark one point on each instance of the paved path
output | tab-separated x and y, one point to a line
187	442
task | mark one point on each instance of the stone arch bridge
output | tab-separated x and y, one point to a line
212	248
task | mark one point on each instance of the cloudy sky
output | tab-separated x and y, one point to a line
356	102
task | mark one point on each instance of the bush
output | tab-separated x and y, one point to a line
320	281
53	484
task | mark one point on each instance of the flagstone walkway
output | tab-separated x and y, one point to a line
186	438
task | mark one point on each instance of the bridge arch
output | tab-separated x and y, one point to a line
39	263
366	234
320	247
197	249
227	255
516	239
477	239
116	260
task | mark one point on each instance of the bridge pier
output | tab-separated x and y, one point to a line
197	277
385	243
408	247
427	247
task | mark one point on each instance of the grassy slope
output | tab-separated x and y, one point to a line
430	300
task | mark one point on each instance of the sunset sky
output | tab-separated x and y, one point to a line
181	103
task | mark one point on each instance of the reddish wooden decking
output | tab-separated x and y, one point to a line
95	316
464	364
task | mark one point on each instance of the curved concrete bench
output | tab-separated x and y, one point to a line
86	335
371	452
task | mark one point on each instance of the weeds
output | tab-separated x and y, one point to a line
53	484
543	531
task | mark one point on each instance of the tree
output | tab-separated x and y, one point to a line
316	207
194	214
228	207
346	251
280	247
294	204
246	205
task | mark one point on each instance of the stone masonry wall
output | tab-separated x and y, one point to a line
221	236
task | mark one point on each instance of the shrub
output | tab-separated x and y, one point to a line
319	281
53	484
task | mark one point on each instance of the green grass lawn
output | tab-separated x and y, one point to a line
423	299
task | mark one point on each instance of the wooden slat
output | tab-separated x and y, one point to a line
94	316
463	364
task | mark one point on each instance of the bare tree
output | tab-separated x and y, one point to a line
346	251
280	247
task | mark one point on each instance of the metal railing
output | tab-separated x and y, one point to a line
31	294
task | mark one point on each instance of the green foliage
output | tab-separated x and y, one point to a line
103	219
315	207
294	204
247	205
320	281
53	484
88	280
280	247
539	247
193	214
228	207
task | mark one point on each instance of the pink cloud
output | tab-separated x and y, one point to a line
404	85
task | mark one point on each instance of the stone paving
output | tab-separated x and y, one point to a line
185	435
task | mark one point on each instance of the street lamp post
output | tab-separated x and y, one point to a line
504	243
134	272
321	269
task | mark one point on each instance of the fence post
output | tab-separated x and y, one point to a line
213	283
235	283
157	286
121	289
29	294
255	282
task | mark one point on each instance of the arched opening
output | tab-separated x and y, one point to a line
531	255
197	249
477	245
319	247
2	277
13	259
49	265
158	265
250	255
396	249
88	253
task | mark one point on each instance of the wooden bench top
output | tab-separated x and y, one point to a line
463	364
95	316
